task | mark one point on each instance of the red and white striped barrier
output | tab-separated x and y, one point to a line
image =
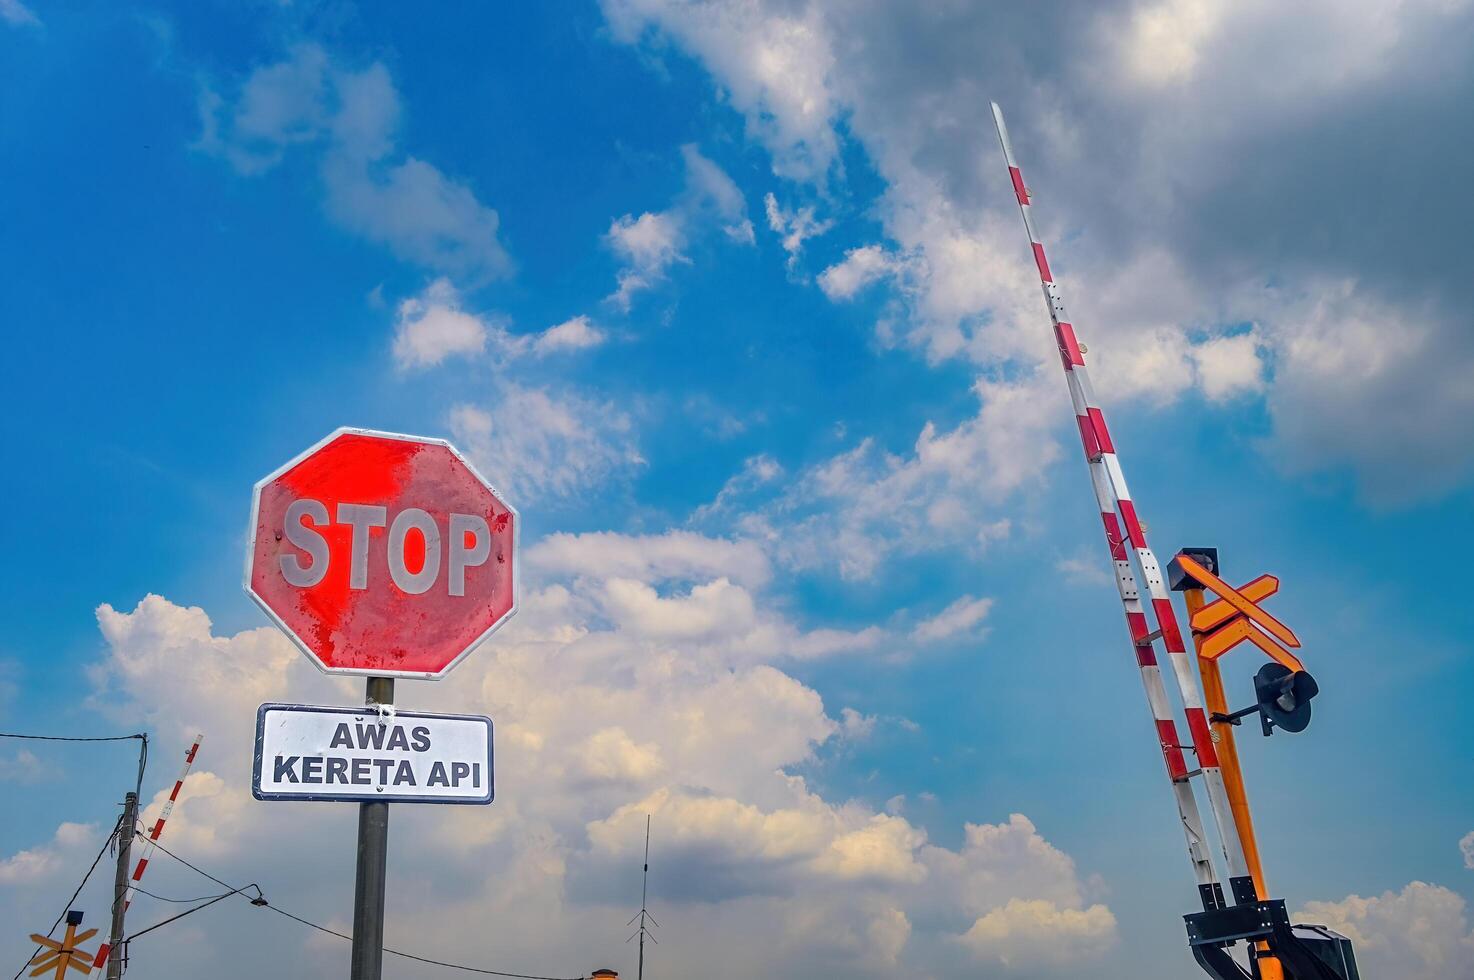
151	842
1118	510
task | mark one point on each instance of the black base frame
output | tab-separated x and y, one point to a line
1211	933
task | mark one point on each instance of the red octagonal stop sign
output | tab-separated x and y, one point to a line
382	554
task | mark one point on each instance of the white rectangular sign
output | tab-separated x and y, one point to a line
305	752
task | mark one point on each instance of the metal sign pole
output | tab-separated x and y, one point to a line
373	849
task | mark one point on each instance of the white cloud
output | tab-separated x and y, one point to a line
713	608
649	245
1228	366
855	726
25	767
533	442
1466	848
858	508
1162	241
860	267
17	13
708	186
1204	43
1364	385
660	708
673	555
1419	933
1034	932
610	754
795	227
964	615
420	214
432	327
757	471
41	863
775	66
576	333
350	117
1163	41
1083	570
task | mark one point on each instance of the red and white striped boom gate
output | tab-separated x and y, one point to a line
1142	586
1117	512
1275	949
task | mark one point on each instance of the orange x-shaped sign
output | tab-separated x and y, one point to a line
1237	608
58	956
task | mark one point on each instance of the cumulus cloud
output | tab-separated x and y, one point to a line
535	442
632	683
1418	933
349	116
648	245
1183	153
1466	848
1035	932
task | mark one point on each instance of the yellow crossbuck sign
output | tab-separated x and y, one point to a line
1235	617
60	955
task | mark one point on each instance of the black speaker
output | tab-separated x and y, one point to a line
1284	697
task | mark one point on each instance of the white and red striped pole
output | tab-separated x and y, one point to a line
1117	511
151	843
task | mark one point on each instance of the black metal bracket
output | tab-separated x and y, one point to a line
1236	718
1211	933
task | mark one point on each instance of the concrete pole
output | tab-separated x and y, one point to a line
120	885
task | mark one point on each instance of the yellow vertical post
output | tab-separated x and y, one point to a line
1233	776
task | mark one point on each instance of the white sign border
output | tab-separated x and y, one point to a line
355	671
360	798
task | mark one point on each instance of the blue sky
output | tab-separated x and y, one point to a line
733	302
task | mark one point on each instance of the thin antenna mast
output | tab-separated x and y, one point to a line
1117	511
644	915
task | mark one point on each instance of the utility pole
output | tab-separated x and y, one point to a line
120	884
373	851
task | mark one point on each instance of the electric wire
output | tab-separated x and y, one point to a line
105	845
179	901
261	900
75	738
141	736
174	918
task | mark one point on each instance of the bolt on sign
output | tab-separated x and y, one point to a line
383	554
314	753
